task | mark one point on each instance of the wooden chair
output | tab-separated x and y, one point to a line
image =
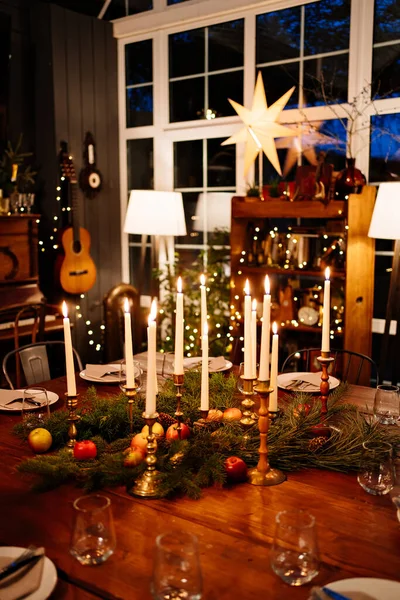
349	366
35	363
113	306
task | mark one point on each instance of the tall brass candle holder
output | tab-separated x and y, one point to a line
247	403
130	393
178	382
147	485
72	404
263	474
322	428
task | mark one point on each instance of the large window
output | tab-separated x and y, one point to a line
139	83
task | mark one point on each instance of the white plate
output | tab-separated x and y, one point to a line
8	395
108	378
49	575
367	588
286	379
195	362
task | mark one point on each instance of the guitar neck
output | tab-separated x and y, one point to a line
75	211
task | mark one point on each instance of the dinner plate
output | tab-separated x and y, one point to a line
192	363
367	588
286	379
49	575
8	395
109	378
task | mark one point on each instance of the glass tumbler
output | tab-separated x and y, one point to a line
35	406
137	372
387	404
177	572
376	475
240	378
93	536
294	554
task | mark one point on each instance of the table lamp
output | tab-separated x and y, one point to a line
385	224
160	215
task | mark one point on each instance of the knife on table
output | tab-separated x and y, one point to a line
17	565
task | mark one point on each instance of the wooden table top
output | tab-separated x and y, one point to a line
359	534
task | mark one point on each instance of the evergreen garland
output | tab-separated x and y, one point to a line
187	466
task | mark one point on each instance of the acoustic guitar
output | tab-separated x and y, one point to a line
78	271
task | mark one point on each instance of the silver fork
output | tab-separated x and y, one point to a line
109	373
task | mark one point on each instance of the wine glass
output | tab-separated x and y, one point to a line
93	535
387	404
137	373
240	378
177	572
35	406
376	475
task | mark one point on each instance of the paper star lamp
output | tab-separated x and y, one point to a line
261	126
310	137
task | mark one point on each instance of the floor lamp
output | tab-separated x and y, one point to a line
385	224
160	215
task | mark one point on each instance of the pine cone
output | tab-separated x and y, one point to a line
166	420
316	443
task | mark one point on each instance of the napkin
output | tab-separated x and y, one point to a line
214	364
96	371
23	582
313	378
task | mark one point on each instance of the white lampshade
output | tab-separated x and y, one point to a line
155	213
385	222
216	213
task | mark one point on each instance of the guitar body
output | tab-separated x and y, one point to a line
78	271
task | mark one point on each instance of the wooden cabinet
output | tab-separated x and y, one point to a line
352	281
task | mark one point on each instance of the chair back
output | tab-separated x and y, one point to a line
347	365
34	359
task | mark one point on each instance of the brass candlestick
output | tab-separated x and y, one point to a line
147	485
72	404
247	419
178	382
324	360
130	393
263	474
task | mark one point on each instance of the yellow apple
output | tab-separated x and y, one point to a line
40	440
139	441
158	430
232	414
133	457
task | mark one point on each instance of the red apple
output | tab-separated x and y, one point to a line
236	469
158	430
139	441
85	450
232	414
302	409
172	432
215	415
133	457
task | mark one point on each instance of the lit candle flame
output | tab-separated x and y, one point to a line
327	273
266	285
274	328
254	305
126	305
64	309
247	288
202	279
179	285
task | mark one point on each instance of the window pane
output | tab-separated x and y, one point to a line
278	35
194	223
139	106
186	99
381	288
327	26
140	164
278	80
385	148
224	86
139	62
188	164
325	80
221	164
387	20
170	2
186	53
386	72
225	45
138	6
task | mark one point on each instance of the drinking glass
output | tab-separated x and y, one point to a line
93	536
387	404
240	380
35	406
176	573
138	375
294	554
376	475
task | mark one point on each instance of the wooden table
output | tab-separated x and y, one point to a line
359	534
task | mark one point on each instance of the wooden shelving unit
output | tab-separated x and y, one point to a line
357	278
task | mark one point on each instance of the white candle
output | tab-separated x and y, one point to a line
204	398
254	339
178	368
69	356
203	304
273	397
151	361
264	352
130	373
247	333
326	313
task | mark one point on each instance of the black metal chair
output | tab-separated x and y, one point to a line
349	366
35	362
